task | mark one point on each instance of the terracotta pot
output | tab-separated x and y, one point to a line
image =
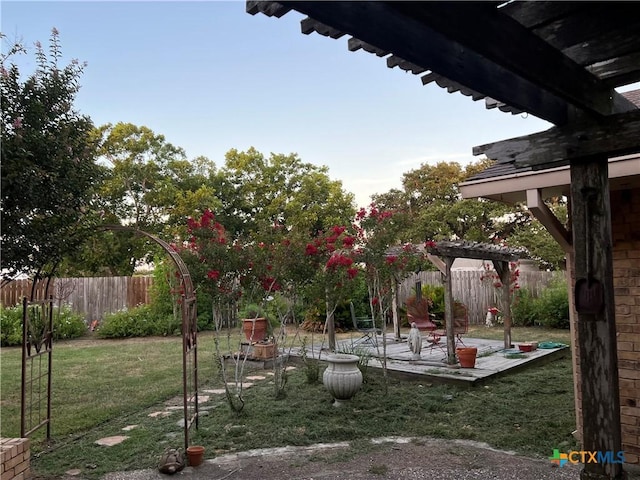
255	329
342	377
264	351
467	356
195	454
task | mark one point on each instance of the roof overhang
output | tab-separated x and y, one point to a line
624	173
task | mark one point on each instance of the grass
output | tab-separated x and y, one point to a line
521	334
101	387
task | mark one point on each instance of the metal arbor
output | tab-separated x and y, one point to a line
188	308
37	347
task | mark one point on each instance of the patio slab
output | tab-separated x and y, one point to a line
492	360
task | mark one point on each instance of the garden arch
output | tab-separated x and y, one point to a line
189	314
37	346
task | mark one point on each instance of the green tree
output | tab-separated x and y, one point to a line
144	172
429	206
48	164
151	186
283	190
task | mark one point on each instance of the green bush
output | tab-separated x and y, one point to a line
553	305
435	293
524	309
550	309
138	322
10	326
66	325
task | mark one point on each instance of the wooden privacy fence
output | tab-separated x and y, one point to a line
90	296
95	296
473	292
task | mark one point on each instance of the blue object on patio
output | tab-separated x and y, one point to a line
551	345
366	326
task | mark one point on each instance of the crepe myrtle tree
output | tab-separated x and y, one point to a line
48	163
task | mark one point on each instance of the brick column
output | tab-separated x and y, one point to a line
14	459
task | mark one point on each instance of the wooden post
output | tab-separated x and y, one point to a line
591	216
502	268
394	309
448	312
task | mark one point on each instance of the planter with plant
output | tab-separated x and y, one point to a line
254	322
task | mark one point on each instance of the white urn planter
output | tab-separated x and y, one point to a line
342	378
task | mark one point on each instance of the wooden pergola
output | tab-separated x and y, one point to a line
559	61
443	254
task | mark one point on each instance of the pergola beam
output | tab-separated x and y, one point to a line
613	136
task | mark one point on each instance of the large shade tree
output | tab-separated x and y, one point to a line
149	185
262	191
48	163
434	208
429	207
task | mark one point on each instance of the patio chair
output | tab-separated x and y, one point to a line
365	326
460	324
418	313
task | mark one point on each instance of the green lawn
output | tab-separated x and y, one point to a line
102	386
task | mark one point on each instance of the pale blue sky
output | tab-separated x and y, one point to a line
211	77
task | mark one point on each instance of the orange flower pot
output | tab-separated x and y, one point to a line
195	454
255	329
467	356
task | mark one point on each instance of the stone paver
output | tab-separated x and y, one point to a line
163	413
111	441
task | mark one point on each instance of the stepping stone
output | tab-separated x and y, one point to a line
290	367
164	413
129	427
201	399
217	391
256	377
111	441
73	473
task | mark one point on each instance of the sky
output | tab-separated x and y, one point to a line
211	77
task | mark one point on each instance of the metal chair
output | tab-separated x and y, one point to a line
365	326
460	324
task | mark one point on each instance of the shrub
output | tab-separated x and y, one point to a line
435	293
10	326
553	305
524	309
66	325
138	322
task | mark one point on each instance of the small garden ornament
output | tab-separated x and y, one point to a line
415	341
171	461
